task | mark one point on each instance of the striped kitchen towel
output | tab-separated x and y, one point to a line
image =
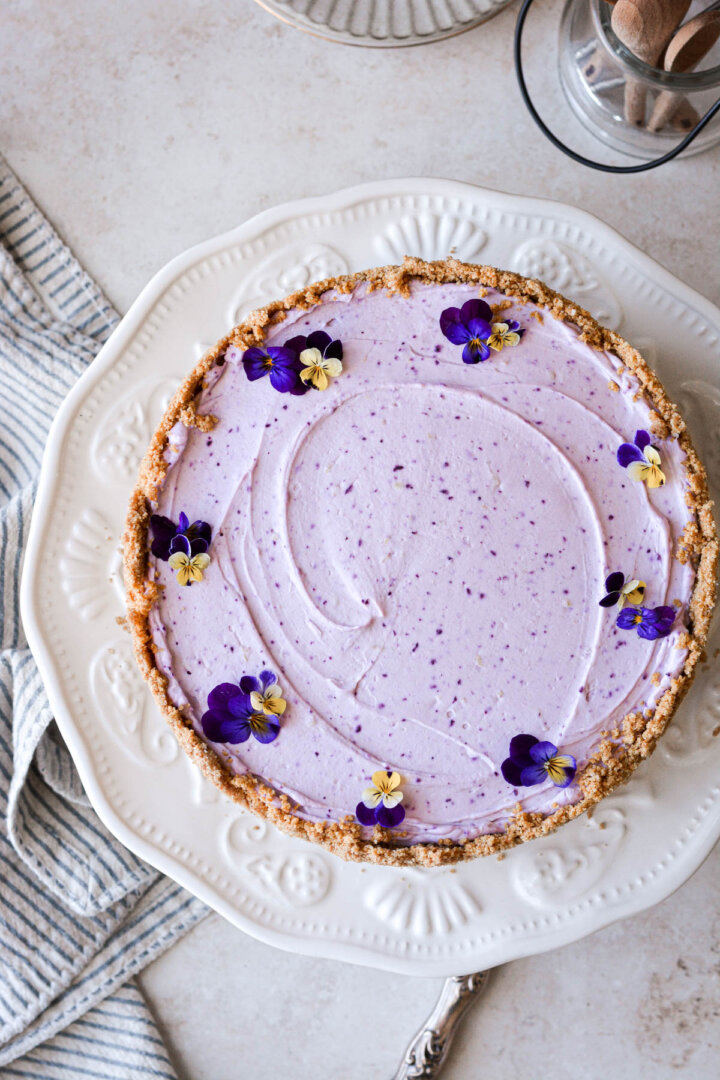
79	914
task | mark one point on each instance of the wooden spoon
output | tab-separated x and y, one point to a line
691	43
645	28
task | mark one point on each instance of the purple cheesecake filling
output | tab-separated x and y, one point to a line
418	552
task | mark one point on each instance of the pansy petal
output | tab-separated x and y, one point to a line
389	817
212	724
296	344
239	705
201	561
479	328
163	531
334	350
180	543
636	594
381	777
533	774
475	309
628	453
256	700
610	600
235	731
198	546
475	352
183	522
642	439
392	798
283	379
512	772
365	814
318	340
511	338
651	455
521	746
561	770
638	470
248	683
221	694
655	477
274	705
371	796
178	560
333	367
267	678
543	751
614	582
267	733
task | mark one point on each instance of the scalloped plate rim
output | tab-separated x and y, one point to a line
661	886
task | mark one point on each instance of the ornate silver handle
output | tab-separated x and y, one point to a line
425	1056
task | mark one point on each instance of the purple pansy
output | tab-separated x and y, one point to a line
532	762
169	538
650	623
470	326
279	362
381	802
231	718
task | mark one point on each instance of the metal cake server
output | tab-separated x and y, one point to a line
428	1049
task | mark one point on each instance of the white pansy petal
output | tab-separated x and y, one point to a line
256	700
371	797
637	470
333	366
651	455
392	799
310	357
273	691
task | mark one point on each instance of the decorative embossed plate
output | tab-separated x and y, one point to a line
643	841
384	23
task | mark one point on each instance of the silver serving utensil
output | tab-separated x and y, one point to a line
428	1049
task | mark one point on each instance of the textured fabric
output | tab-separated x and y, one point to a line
79	914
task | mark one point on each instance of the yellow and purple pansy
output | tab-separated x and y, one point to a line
380	803
265	693
505	334
621	592
531	762
642	460
232	717
650	623
319	359
183	546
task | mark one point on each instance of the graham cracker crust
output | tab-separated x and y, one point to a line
621	751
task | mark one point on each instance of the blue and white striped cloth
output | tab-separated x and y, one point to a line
79	914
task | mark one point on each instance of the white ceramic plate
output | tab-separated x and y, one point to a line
384	23
643	841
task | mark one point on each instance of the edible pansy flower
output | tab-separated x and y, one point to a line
650	623
504	334
279	362
531	761
469	326
167	536
264	692
621	592
642	460
189	567
319	358
380	803
231	718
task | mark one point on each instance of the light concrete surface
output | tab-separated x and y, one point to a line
143	127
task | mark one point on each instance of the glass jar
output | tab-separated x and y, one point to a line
633	107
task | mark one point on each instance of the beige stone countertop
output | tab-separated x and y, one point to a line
145	126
